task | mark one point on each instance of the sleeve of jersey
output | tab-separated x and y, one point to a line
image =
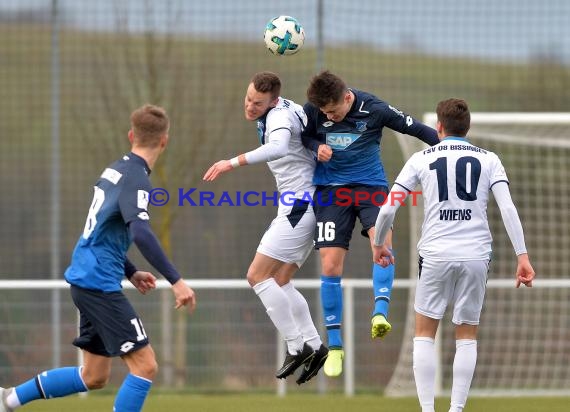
403	123
148	244
277	144
405	183
134	197
386	216
510	216
130	268
309	133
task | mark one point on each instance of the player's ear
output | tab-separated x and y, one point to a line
164	140
131	136
439	128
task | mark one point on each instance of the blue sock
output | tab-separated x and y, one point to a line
331	299
382	280
132	394
54	383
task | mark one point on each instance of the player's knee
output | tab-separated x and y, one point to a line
96	380
254	278
151	369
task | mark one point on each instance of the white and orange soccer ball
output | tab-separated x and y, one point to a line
284	35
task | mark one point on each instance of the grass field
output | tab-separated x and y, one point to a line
303	403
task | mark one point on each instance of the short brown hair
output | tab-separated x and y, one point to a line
149	123
326	88
454	116
267	82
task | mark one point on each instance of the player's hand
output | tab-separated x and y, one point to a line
183	295
143	281
217	169
382	256
525	272
324	153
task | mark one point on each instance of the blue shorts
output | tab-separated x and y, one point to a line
336	210
109	325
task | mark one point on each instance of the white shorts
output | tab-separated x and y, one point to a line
461	284
289	238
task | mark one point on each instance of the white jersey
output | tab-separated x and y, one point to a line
456	178
294	171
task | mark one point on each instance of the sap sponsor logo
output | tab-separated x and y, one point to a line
341	141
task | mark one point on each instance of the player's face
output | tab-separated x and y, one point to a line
336	112
257	103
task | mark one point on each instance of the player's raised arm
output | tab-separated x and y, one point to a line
276	147
401	122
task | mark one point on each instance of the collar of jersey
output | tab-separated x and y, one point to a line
141	161
463	139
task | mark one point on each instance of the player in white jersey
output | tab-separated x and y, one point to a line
289	239
455	246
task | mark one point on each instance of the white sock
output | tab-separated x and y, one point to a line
302	316
278	308
12	400
463	369
424	372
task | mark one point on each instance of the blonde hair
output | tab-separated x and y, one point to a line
149	123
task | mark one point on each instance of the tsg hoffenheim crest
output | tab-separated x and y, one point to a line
360	126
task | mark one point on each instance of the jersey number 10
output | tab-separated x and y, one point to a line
467	174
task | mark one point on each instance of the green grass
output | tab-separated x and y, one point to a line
297	403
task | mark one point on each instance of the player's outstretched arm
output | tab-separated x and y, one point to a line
217	169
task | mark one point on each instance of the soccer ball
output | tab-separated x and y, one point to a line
284	35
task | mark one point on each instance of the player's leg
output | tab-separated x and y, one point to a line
59	382
302	316
278	306
297	243
113	328
382	281
433	293
464	364
424	361
283	248
382	277
136	386
335	223
468	298
299	306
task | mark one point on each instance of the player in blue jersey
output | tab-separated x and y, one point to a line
344	129
109	326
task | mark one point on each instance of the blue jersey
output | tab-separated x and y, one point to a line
355	140
120	196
